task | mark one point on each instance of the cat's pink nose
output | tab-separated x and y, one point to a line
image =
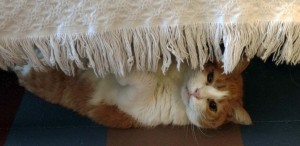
196	93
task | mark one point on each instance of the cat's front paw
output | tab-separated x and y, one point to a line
122	81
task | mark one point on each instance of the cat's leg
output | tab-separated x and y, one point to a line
135	89
134	86
23	73
124	91
48	85
139	79
124	95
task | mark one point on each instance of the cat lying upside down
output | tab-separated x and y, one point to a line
207	98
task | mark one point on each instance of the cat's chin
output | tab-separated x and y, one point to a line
193	118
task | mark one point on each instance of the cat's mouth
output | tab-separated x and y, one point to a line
187	92
187	95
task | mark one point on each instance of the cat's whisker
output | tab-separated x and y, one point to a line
203	115
201	130
194	134
187	128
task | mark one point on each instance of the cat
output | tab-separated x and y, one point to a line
206	99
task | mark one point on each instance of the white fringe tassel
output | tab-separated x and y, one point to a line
118	51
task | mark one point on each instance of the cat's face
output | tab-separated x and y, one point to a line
212	98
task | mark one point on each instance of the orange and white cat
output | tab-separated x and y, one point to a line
207	98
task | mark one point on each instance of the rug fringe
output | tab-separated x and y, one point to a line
120	50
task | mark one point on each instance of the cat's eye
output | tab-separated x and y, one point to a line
210	77
213	105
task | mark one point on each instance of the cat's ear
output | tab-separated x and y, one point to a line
239	115
241	66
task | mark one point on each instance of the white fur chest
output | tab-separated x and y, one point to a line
151	104
161	106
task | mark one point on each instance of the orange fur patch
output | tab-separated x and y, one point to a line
74	92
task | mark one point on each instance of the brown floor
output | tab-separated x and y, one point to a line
228	135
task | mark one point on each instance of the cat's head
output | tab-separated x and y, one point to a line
213	98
